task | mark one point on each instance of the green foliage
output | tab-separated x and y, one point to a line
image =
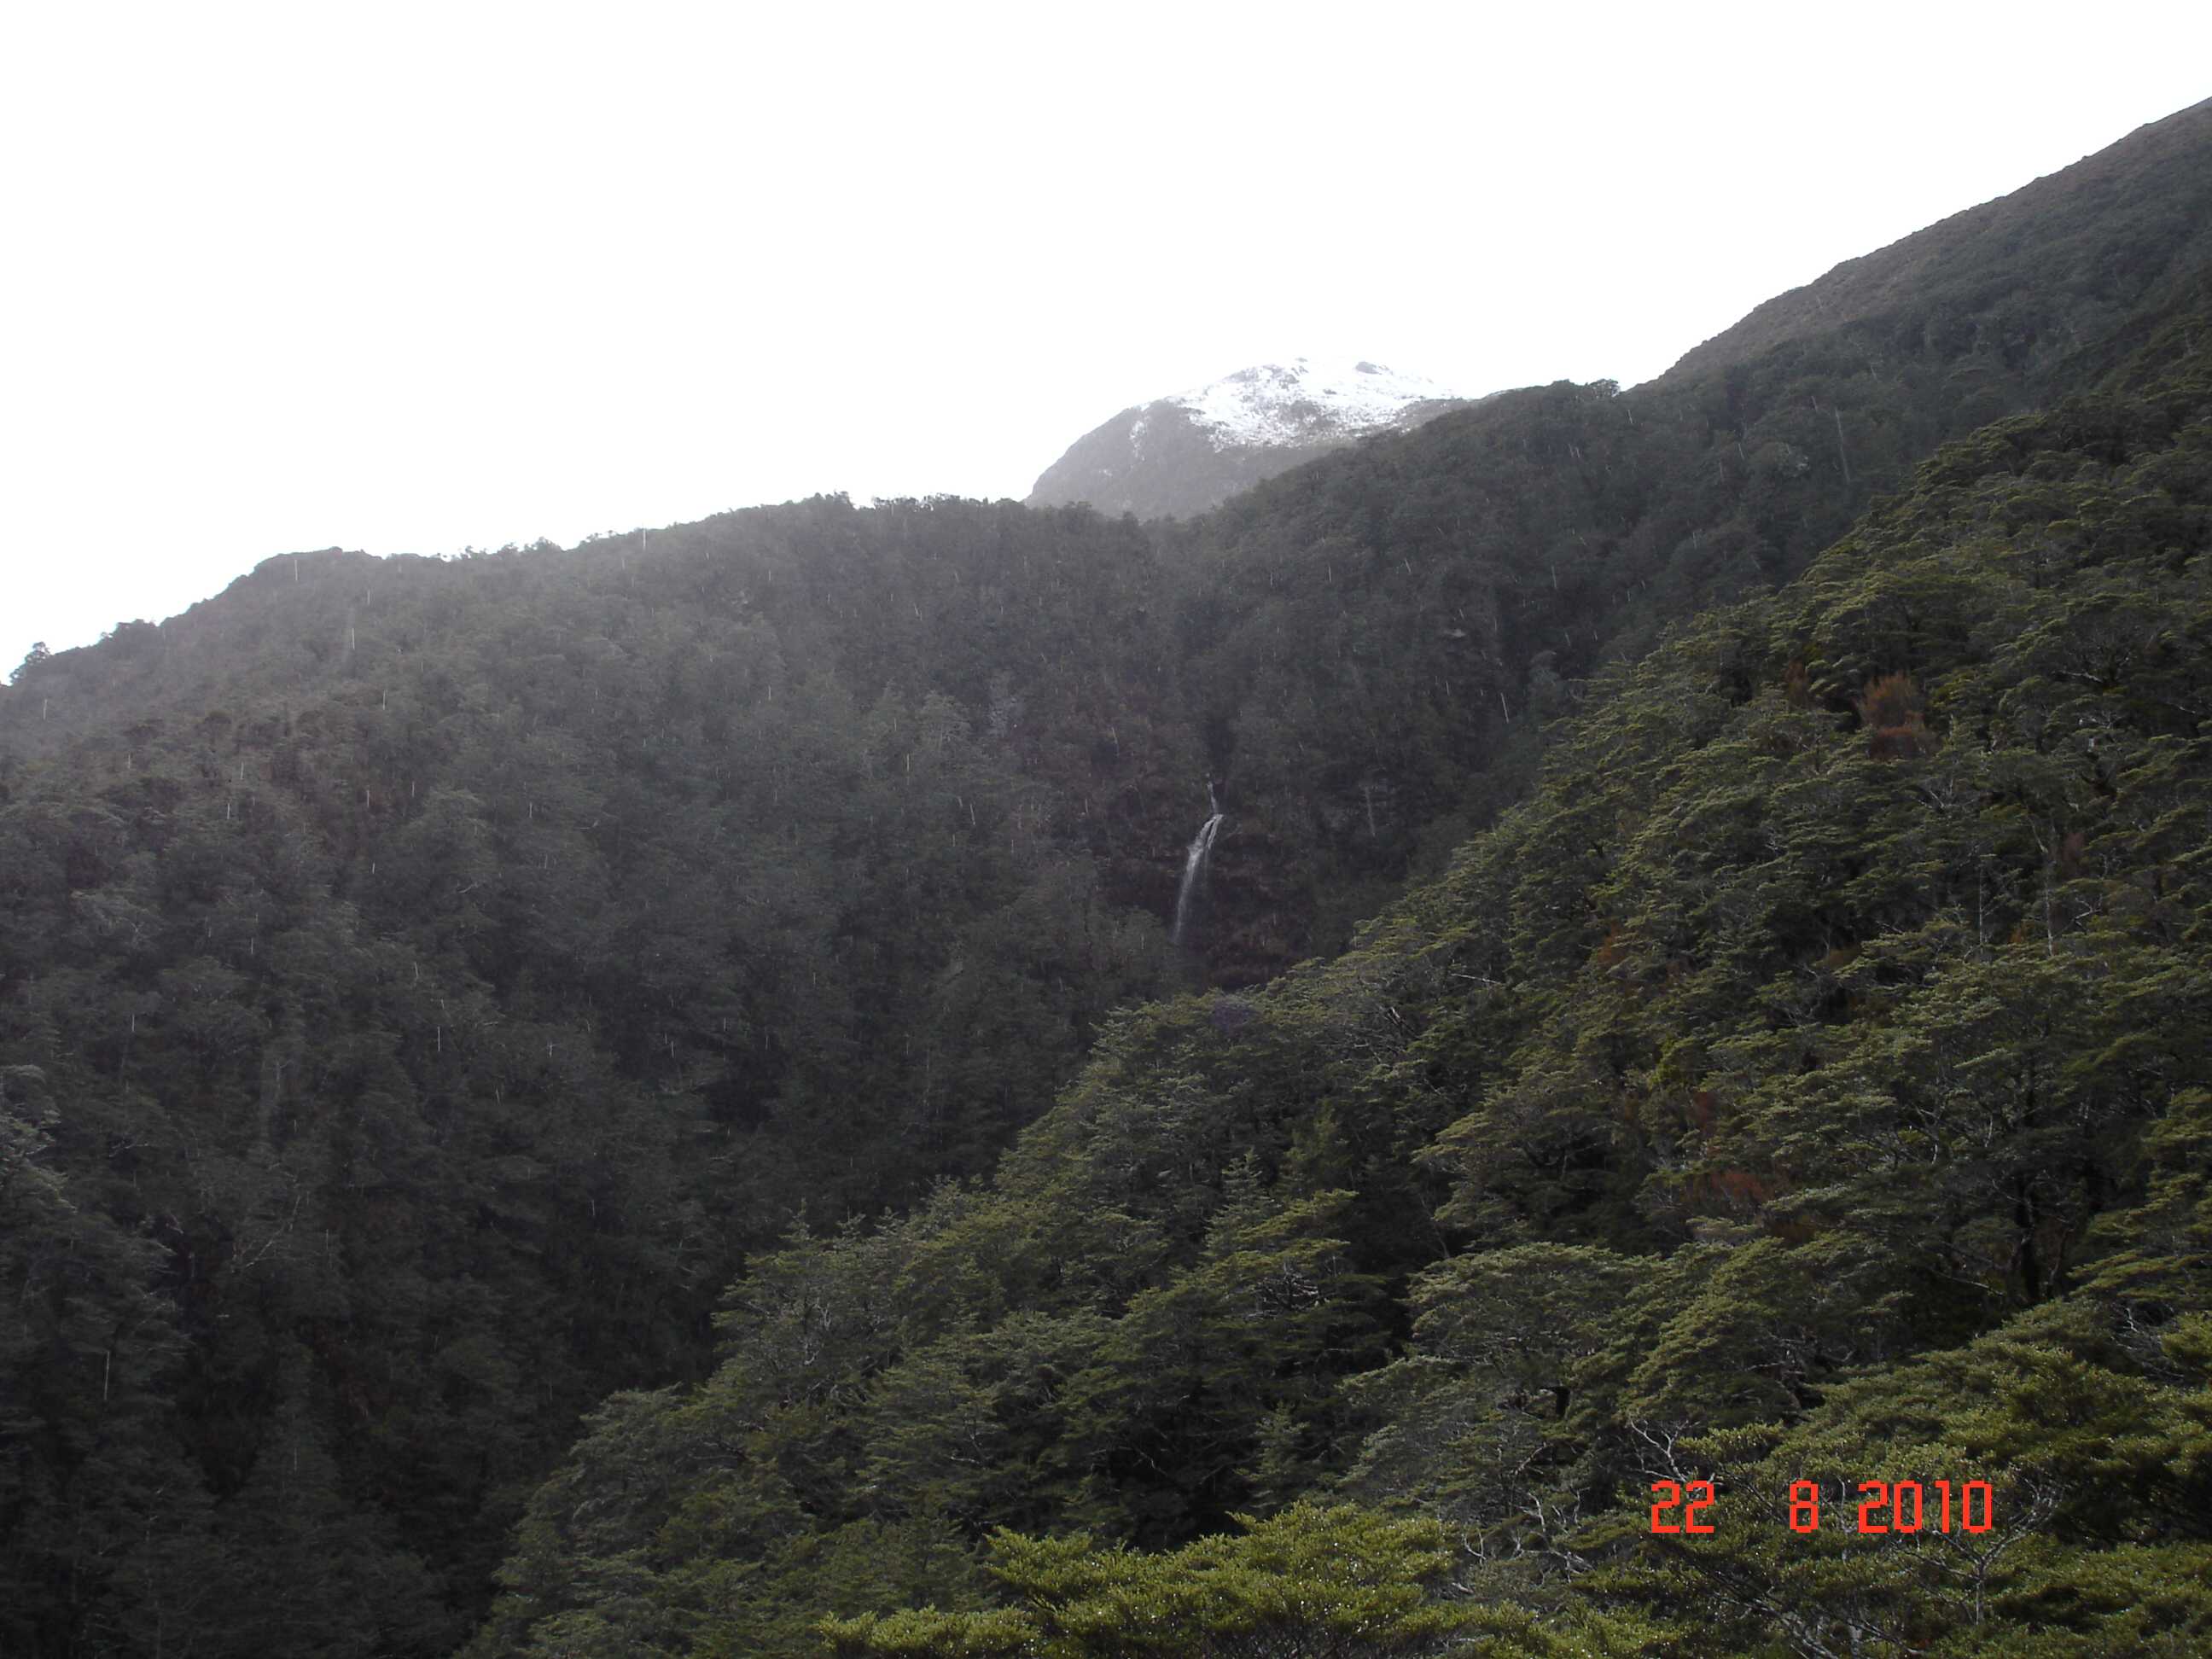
471	963
424	984
1326	1582
2100	1520
1804	1080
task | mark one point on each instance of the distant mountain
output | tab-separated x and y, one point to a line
1183	454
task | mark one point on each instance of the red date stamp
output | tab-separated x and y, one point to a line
1883	1506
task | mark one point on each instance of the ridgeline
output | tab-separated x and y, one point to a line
638	1098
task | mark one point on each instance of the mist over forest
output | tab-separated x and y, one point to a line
1578	1028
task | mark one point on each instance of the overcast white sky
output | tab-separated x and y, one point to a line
410	278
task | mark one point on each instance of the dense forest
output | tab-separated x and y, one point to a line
640	1099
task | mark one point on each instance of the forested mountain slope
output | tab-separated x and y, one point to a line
1374	641
2038	275
1363	652
422	1015
1806	1084
425	985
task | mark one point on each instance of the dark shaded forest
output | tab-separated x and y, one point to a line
638	1098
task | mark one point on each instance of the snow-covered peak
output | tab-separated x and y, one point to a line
1184	454
1304	399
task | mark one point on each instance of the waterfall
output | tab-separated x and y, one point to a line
1193	864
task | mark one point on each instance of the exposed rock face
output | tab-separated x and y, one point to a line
1183	454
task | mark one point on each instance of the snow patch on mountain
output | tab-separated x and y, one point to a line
1184	454
1299	401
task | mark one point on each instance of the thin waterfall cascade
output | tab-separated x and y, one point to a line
1193	864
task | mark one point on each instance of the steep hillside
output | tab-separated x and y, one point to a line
1375	642
424	985
421	1014
1804	1089
1368	647
2028	279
